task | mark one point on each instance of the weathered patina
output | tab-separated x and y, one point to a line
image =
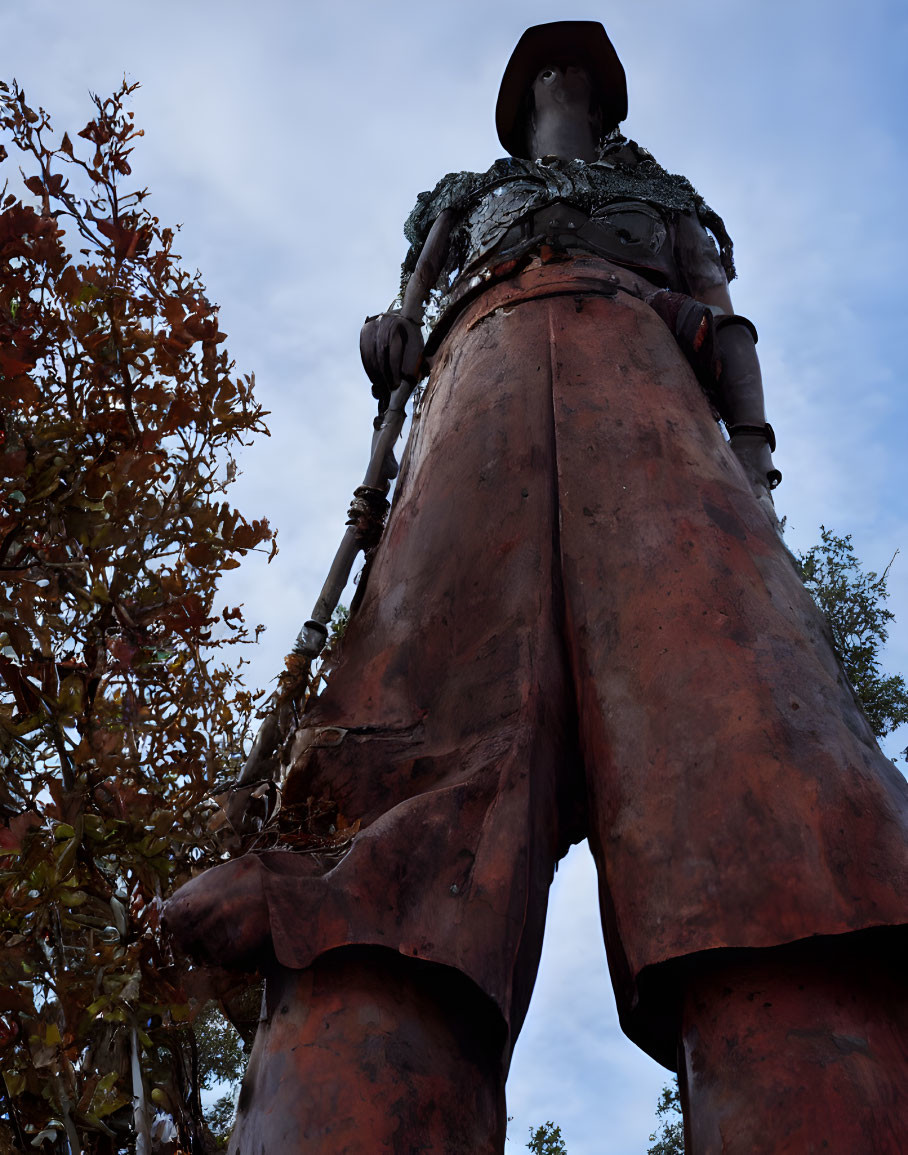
581	622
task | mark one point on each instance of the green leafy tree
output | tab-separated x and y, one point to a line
547	1140
854	602
120	715
668	1138
220	1118
222	1055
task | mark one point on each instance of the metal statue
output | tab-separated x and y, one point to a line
580	622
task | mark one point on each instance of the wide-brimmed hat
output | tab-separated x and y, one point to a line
576	41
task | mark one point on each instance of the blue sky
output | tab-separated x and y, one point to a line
291	139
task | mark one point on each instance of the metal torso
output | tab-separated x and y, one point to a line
555	208
517	223
632	234
622	207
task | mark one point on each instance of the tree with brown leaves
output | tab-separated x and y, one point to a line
121	415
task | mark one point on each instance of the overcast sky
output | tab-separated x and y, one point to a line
291	139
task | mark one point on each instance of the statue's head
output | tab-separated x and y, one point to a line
569	66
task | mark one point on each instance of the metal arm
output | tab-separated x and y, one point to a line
369	505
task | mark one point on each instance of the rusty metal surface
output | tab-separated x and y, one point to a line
572	536
366	1052
580	621
805	1051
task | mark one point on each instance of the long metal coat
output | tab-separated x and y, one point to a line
581	623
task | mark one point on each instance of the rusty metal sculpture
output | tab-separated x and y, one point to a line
580	622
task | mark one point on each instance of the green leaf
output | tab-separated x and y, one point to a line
15	1082
66	859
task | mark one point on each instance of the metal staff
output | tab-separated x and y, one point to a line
364	522
391	345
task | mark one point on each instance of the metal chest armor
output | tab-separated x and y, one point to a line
521	215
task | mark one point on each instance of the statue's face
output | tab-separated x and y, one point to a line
567	88
564	118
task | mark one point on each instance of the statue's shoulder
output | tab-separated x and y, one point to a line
622	159
619	151
624	162
460	191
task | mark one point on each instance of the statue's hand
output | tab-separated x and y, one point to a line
220	918
391	347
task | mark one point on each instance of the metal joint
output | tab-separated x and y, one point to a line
311	639
765	431
367	514
723	320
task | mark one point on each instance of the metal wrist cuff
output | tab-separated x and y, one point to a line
367	513
725	319
765	431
